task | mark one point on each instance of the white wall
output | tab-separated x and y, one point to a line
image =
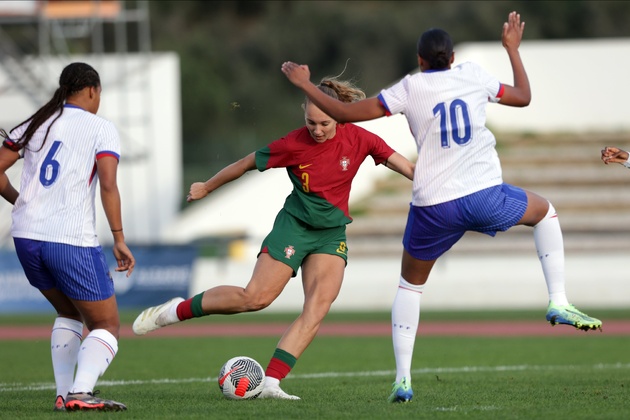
577	85
141	96
150	177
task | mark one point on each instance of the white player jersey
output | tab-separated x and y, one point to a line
58	184
446	111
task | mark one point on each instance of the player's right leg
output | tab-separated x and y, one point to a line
425	239
86	401
322	276
405	319
268	280
272	390
401	391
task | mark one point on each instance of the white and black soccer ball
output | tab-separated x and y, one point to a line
241	378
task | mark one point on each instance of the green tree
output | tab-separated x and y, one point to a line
235	99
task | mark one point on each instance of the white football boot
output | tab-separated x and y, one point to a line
156	317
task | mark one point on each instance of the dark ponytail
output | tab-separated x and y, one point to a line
436	48
74	78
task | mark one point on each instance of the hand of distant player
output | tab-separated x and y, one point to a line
614	155
512	31
197	192
297	74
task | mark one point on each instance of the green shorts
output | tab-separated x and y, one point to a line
291	240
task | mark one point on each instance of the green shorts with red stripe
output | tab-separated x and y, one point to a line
291	240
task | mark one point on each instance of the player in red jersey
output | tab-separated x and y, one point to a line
321	158
458	184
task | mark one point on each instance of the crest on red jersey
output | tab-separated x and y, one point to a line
344	162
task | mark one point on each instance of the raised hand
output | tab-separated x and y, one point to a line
512	31
298	74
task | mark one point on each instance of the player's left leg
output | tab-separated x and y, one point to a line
269	278
322	276
97	351
542	216
275	266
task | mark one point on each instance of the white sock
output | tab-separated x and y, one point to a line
272	382
172	314
405	318
65	340
96	353
550	249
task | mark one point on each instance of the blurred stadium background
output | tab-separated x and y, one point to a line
194	85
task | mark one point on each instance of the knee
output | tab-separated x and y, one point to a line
316	310
257	303
76	316
551	211
257	306
546	213
114	330
112	326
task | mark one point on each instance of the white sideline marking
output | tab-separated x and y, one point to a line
7	387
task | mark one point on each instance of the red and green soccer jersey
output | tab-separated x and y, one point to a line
322	173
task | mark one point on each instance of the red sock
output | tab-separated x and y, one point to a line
184	310
190	308
280	364
277	369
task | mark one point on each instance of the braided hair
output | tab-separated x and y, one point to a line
74	78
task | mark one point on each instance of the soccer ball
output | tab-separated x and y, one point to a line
241	378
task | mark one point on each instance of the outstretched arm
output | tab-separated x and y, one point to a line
199	190
614	155
366	109
520	94
399	163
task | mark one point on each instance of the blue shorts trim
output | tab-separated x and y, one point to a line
81	273
433	230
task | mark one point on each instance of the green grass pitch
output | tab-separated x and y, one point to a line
582	376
